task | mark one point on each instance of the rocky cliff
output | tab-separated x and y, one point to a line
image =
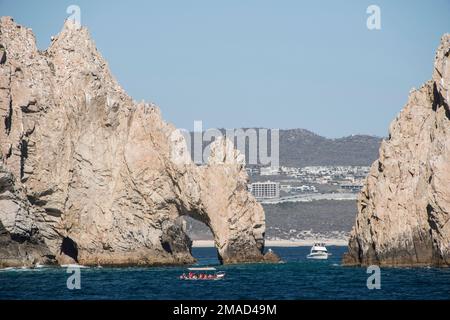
404	208
87	175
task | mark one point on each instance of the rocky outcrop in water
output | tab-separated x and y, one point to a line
404	208
88	175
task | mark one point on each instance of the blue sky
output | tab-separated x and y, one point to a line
259	63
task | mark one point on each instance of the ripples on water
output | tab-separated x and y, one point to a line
298	278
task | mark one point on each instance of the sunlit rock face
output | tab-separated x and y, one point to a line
404	208
87	175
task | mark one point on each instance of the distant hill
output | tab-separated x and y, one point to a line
300	147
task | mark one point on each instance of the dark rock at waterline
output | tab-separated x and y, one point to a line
22	252
271	257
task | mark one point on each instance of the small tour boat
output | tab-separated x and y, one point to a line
205	273
319	252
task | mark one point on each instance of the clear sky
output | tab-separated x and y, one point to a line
259	63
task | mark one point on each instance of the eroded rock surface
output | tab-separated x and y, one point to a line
404	208
90	176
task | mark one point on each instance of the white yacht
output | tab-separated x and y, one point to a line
318	251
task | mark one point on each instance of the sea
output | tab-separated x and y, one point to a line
295	278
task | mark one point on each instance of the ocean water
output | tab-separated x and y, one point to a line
297	278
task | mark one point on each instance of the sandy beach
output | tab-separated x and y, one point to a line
280	243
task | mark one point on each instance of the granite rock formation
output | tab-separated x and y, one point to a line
404	209
87	175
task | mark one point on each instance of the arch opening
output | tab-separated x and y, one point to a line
201	234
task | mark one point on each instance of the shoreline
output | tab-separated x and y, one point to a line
280	243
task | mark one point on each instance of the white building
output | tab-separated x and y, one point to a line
270	171
265	190
352	187
252	171
306	188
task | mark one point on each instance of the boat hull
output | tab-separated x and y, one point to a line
317	256
188	279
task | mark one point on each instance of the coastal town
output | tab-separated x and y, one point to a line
285	184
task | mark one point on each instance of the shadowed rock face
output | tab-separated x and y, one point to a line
89	176
404	208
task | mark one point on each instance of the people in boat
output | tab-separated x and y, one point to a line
200	276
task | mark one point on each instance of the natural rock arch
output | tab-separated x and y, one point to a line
107	172
220	200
